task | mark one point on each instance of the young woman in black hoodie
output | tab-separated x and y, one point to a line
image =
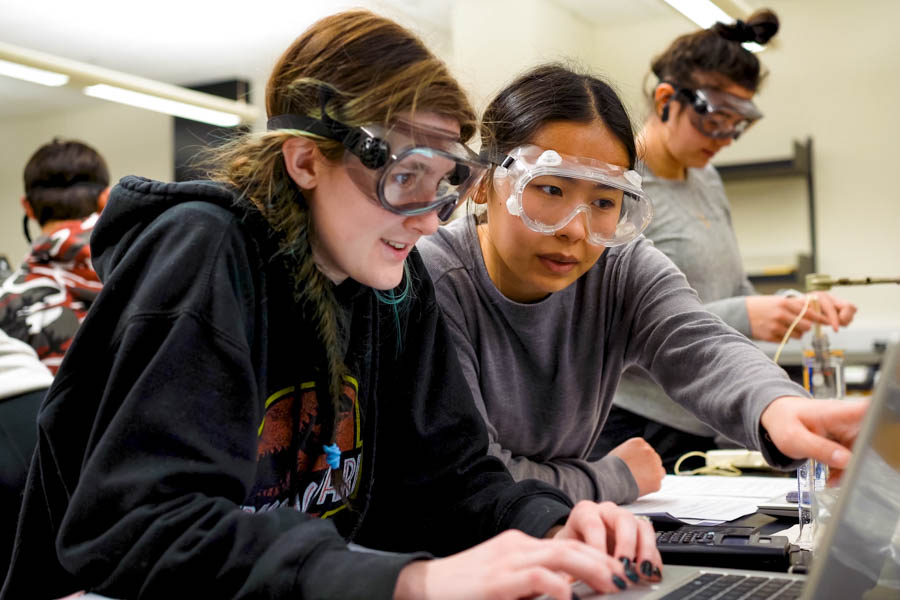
263	401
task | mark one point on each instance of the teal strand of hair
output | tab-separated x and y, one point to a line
393	299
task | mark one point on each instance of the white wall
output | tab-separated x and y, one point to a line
132	141
835	77
495	40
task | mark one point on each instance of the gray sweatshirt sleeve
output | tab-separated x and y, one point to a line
692	226
606	479
704	365
733	311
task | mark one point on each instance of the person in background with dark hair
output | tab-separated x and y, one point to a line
265	392
44	301
702	102
552	291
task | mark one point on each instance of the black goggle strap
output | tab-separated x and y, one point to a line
372	152
700	106
447	210
324	127
303	123
460	173
497	158
340	130
696	102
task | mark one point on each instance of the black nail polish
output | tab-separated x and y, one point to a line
647	568
656	572
629	569
575	596
619	583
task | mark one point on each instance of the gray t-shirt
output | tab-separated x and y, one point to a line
543	374
692	226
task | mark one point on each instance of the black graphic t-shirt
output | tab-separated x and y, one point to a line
292	470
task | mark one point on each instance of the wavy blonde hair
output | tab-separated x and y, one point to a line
374	69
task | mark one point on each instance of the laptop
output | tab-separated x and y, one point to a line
858	554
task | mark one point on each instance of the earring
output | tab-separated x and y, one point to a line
665	113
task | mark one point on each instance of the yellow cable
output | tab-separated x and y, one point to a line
728	471
685	456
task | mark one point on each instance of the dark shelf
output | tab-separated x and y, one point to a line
799	165
770	283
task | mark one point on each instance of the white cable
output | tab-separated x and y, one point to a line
787	334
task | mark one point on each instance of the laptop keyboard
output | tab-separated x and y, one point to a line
719	586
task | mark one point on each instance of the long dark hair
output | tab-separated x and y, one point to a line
718	51
553	92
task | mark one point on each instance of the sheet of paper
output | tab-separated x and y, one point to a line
710	497
707	509
745	486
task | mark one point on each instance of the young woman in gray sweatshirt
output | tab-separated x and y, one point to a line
547	311
702	102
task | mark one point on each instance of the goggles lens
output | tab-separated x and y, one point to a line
717	114
550	199
548	190
421	179
426	169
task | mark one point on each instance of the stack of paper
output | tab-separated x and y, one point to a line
711	498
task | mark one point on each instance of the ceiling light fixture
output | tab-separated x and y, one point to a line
163	105
124	88
41	76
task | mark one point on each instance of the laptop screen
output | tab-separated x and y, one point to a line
861	541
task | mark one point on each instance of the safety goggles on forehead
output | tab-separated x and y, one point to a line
408	168
547	190
717	114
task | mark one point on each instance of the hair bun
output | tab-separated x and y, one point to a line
760	27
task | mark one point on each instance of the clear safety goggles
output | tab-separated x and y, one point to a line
717	114
408	168
547	190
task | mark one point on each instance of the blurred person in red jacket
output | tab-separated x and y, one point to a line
44	301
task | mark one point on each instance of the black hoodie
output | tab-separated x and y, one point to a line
179	448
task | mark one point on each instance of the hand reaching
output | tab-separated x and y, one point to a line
811	428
